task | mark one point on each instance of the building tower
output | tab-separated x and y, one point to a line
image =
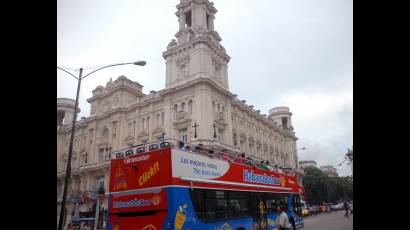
196	52
283	118
65	111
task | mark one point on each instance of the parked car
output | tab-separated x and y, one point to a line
313	210
324	208
305	212
337	206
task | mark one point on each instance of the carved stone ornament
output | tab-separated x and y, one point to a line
115	100
172	44
93	109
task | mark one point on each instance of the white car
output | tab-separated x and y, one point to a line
337	206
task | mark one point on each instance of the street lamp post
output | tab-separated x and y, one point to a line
296	156
70	149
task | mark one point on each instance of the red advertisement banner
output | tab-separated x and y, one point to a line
152	222
140	171
142	201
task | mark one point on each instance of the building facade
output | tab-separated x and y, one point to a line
196	92
329	170
304	164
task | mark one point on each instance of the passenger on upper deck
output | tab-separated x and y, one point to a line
226	156
241	159
248	161
261	165
270	168
211	153
277	169
182	145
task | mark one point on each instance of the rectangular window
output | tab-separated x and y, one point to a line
101	155
100	182
183	135
188	19
207	21
134	128
220	135
285	122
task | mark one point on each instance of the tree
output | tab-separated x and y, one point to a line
321	188
349	155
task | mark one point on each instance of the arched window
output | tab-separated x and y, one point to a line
130	128
218	107
157	120
175	111
148	118
183	106
133	128
223	109
213	106
105	132
190	106
162	119
184	71
143	123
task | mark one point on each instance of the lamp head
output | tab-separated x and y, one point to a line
141	63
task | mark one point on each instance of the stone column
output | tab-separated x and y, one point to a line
181	20
228	115
211	22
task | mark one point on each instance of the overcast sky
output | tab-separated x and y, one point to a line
295	53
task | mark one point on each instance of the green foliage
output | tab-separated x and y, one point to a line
321	188
349	155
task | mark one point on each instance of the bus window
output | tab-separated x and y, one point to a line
214	205
275	200
297	206
238	204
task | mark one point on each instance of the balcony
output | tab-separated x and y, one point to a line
182	115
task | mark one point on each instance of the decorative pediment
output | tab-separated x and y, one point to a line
128	138
182	123
102	143
158	130
182	59
182	115
220	116
143	133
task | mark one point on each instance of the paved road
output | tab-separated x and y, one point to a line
329	221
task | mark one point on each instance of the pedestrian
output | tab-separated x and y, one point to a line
282	220
346	206
351	208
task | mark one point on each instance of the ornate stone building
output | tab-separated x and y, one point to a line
196	91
